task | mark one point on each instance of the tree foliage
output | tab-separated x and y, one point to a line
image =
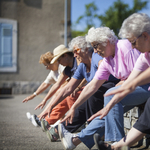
90	13
116	14
112	18
88	18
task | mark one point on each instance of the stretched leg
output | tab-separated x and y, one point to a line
140	128
90	107
114	120
97	125
70	140
57	112
60	110
132	137
114	126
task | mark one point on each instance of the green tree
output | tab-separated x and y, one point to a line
112	18
88	17
116	14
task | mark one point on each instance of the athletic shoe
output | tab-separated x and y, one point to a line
52	135
44	124
35	121
28	115
66	137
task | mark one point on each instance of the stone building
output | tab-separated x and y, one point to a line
28	28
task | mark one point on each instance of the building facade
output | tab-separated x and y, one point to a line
29	28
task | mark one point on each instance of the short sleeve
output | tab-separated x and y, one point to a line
79	72
61	69
67	71
102	73
141	63
50	78
96	59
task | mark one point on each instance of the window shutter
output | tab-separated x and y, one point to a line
5	45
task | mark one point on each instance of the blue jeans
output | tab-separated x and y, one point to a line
113	122
95	126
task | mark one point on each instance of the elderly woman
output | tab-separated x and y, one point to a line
136	28
119	60
83	51
58	77
55	71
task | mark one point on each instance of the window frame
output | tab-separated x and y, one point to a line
14	45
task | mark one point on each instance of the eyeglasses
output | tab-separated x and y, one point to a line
134	42
95	46
76	50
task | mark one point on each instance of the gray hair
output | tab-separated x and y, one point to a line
80	42
101	35
135	25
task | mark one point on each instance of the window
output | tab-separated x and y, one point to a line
8	45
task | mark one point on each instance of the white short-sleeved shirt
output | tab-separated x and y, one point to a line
53	76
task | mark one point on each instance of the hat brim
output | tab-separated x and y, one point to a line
55	58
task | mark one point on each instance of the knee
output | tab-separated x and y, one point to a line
107	99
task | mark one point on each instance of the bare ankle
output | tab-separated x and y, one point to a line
56	131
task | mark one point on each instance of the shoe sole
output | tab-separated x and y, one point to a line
61	137
44	129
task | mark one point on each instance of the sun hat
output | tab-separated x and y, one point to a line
59	51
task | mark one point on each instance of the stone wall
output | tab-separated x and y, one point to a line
130	118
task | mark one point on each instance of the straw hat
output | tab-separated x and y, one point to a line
59	51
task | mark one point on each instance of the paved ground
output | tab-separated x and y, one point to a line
17	132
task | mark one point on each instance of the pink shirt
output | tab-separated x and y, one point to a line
143	62
121	65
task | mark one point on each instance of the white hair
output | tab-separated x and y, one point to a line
101	35
135	25
80	42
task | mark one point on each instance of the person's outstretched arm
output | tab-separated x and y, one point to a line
117	97
40	89
87	92
52	90
65	91
141	79
82	84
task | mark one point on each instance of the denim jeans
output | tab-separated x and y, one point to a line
113	123
95	126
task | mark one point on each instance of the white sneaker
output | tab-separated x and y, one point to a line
34	121
28	115
66	137
32	118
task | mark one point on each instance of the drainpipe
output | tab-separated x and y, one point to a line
65	24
